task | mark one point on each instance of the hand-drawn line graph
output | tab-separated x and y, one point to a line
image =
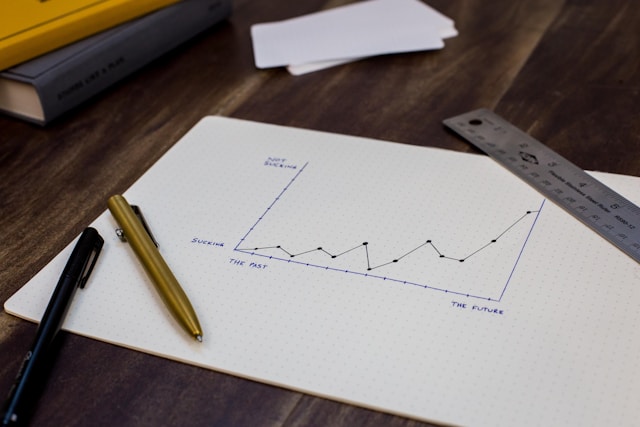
365	247
423	263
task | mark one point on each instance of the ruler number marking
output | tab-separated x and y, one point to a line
587	199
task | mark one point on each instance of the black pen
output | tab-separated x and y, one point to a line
74	275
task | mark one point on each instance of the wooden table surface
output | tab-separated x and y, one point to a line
567	72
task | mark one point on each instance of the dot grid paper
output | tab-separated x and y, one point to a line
305	256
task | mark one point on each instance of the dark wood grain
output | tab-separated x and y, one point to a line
580	90
567	72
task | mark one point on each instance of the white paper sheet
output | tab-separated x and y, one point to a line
431	18
547	336
367	28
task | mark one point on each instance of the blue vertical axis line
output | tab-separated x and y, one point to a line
522	250
271	205
373	275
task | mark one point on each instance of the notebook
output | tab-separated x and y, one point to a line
416	281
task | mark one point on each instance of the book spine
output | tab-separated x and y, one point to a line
68	28
83	76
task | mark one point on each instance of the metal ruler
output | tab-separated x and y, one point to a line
587	199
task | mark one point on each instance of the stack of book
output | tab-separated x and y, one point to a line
56	55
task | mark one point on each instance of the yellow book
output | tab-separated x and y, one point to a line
29	28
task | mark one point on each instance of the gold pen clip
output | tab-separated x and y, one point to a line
138	212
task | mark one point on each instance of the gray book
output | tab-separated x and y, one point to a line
45	87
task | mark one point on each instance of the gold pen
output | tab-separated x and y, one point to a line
145	249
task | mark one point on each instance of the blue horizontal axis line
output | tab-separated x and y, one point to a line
359	273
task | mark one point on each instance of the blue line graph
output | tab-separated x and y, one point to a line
412	264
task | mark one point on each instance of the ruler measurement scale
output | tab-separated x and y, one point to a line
594	204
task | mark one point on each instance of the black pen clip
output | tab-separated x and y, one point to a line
89	266
138	213
91	241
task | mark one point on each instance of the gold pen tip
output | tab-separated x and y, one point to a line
199	338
